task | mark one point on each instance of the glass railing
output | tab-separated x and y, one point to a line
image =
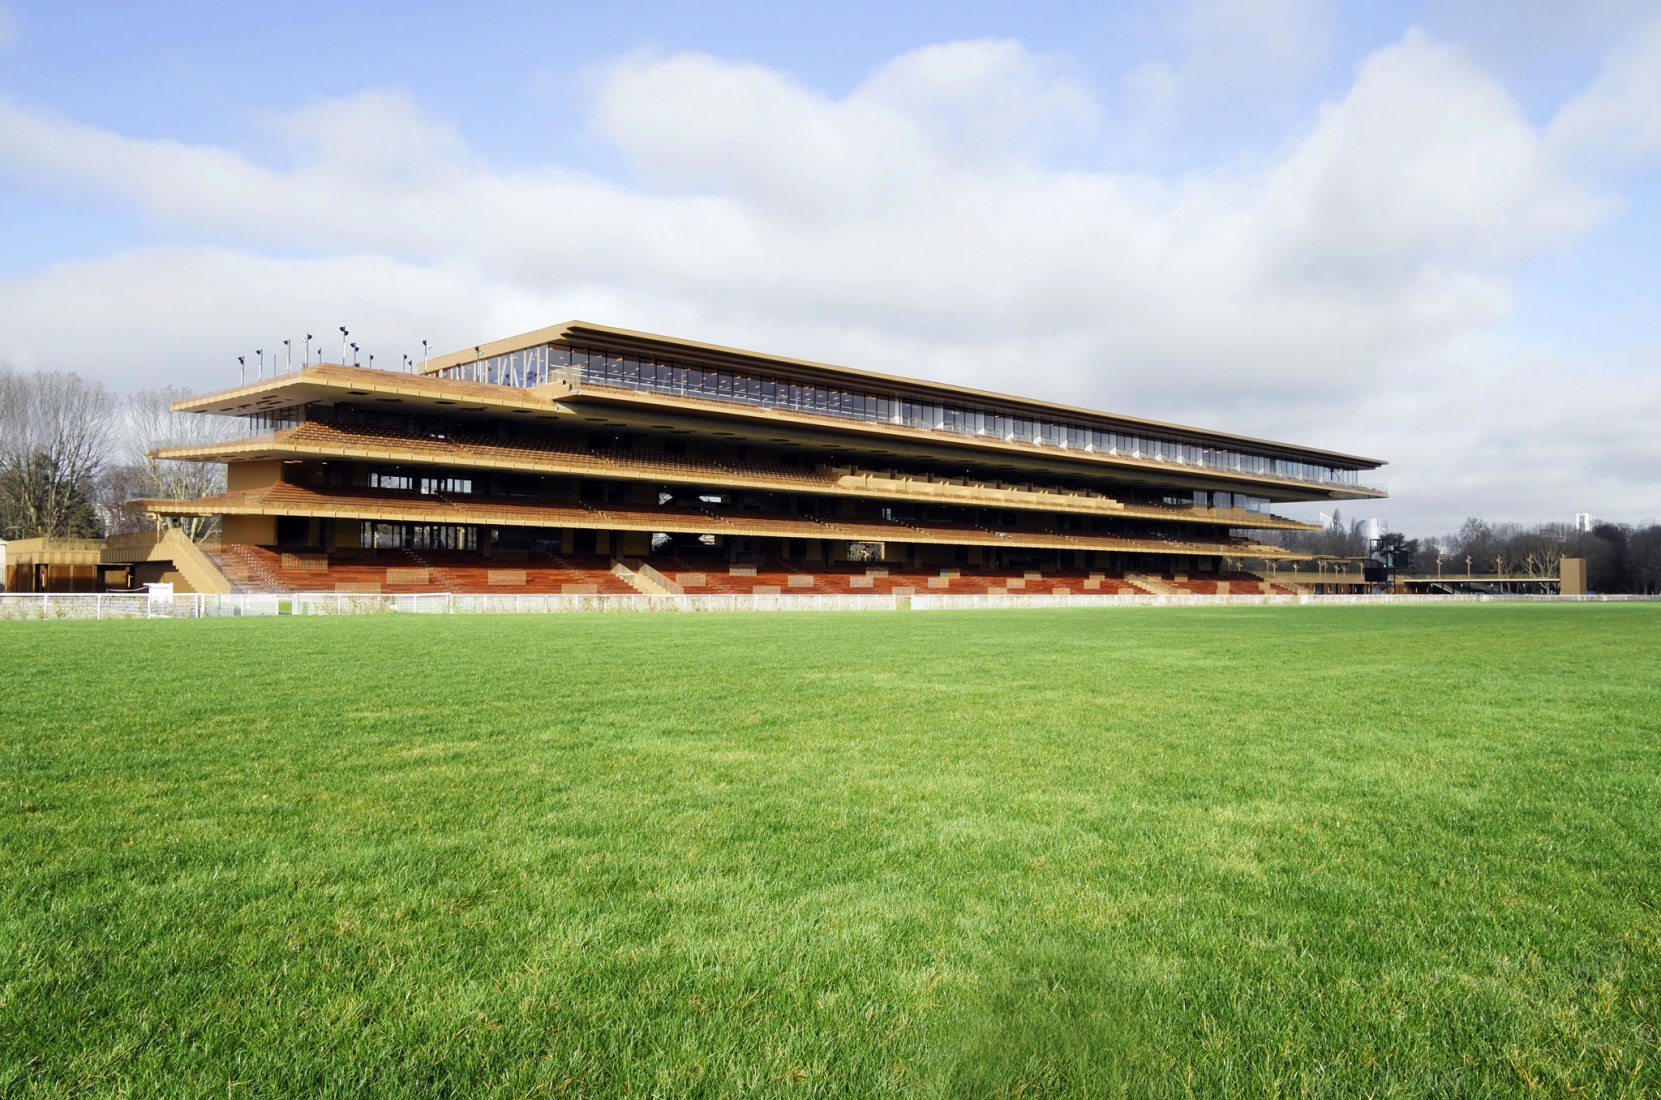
584	367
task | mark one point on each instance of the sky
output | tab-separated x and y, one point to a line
1422	232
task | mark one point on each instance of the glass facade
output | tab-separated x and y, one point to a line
587	367
275	420
417	536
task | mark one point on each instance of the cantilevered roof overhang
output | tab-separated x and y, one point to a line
331	383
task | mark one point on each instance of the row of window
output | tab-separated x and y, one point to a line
536	366
417	536
426	486
275	420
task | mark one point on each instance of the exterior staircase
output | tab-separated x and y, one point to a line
646	580
246	572
434	573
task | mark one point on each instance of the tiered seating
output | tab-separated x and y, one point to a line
244	568
1220	584
1252	584
698	576
851	578
255	568
259	568
467	572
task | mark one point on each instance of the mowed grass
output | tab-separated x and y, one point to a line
1393	851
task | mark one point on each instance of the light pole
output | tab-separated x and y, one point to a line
241	369
423	357
288	357
354	355
259	370
343	335
308	350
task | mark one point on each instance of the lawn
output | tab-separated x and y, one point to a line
1394	851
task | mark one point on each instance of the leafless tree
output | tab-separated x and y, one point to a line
54	441
148	424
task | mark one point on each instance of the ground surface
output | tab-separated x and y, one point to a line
1332	851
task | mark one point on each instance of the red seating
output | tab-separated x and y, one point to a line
260	568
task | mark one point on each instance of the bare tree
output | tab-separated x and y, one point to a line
54	441
148	424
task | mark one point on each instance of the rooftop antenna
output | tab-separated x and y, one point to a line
241	369
354	355
307	361
288	357
343	335
261	368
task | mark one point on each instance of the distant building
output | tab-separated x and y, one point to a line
1583	521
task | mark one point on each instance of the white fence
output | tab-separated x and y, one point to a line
121	605
980	603
132	605
444	603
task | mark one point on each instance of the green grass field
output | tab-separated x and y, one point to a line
1393	851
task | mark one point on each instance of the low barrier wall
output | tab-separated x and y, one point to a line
973	603
133	605
445	603
198	605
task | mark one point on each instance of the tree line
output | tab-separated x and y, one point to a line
72	452
1619	557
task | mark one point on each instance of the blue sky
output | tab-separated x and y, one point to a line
1421	231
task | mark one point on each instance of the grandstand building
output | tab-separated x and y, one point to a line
583	458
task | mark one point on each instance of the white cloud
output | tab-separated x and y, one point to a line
1427	160
913	226
1621	110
